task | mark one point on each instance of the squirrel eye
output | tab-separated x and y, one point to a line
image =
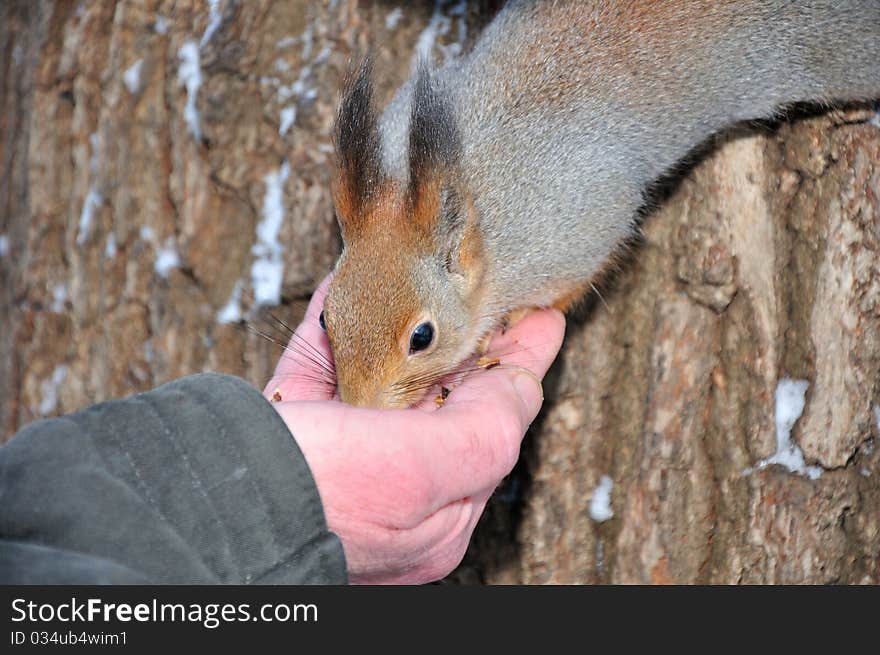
321	321
421	337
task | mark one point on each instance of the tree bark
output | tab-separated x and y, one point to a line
144	142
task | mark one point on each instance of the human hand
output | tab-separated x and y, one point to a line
403	489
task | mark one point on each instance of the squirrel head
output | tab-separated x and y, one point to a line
402	309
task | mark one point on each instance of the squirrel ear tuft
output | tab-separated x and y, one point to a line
433	150
356	142
433	135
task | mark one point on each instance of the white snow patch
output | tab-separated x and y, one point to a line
93	199
302	89
308	39
440	25
132	77
323	56
4	245
59	297
189	74
790	400
877	416
149	352
273	206
167	258
286	42
600	503
49	389
146	233
231	311
161	25
459	8
284	92
281	65
288	116
393	18
268	267
876	120
93	160
110	246
215	19
92	202
267	274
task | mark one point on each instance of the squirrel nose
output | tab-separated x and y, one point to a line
360	397
374	398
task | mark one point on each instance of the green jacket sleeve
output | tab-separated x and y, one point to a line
196	482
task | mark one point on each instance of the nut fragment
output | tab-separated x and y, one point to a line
276	396
488	362
441	397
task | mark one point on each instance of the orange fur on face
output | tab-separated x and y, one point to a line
387	207
371	300
372	304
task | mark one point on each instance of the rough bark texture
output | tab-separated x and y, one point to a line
762	263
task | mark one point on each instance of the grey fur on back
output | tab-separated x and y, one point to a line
567	110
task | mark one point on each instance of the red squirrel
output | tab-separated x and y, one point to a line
505	180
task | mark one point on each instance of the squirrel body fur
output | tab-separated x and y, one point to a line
506	179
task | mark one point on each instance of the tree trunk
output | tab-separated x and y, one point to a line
148	145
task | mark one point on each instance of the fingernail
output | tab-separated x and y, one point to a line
526	383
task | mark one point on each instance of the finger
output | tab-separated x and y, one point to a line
478	432
437	546
507	345
305	370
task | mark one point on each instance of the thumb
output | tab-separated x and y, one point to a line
305	370
478	431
